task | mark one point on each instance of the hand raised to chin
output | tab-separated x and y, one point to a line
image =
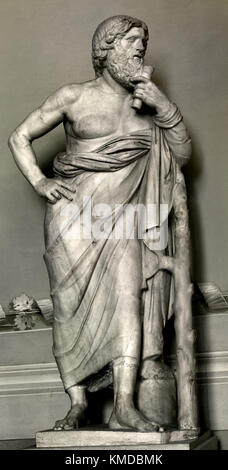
150	94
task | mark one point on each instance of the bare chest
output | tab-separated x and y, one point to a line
105	117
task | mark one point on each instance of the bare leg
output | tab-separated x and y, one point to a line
78	406
124	413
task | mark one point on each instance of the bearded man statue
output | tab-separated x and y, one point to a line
111	299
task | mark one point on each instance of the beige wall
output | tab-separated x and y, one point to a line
44	44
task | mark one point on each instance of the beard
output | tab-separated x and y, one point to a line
123	67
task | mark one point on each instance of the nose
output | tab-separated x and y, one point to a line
140	45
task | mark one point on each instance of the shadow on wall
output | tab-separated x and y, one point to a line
192	172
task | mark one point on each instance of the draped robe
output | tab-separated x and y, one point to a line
92	321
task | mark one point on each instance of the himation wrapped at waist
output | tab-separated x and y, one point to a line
144	180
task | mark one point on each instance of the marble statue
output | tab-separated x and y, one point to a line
125	145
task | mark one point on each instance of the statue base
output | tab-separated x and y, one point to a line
104	439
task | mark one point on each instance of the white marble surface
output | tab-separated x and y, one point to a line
103	438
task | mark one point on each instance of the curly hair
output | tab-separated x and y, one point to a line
105	35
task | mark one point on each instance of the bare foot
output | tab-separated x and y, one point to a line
71	420
130	418
190	432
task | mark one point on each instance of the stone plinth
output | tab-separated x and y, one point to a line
103	438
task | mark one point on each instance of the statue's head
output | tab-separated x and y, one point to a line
119	44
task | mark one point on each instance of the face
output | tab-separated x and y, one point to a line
125	60
134	44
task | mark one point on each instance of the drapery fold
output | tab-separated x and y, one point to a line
92	320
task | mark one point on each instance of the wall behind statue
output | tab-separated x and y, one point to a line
46	44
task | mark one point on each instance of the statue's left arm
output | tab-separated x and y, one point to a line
168	118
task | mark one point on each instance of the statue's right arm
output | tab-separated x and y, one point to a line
49	115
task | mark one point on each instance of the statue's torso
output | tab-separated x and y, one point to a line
97	115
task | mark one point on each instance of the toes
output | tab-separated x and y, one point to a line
145	425
72	423
155	426
58	428
151	427
60	422
59	425
68	427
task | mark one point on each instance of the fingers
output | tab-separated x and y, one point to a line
64	189
55	191
51	199
141	86
140	90
147	86
139	97
140	78
61	191
138	93
68	188
56	194
143	90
